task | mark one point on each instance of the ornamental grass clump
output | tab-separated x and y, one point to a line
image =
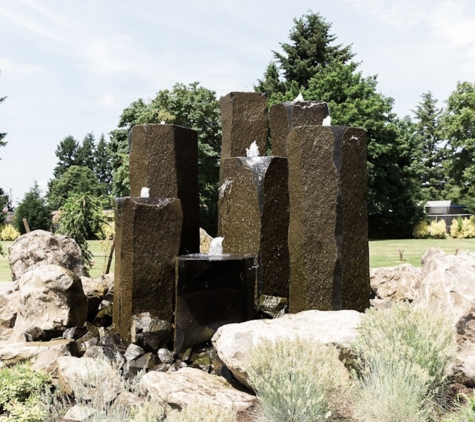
201	412
295	379
405	354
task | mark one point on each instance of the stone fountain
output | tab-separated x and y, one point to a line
294	225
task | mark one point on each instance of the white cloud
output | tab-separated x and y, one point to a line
11	67
108	100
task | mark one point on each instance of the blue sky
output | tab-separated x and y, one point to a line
71	67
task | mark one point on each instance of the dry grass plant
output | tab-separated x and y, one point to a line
201	412
295	379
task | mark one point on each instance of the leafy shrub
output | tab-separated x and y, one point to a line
20	392
201	412
8	232
462	228
405	351
438	229
294	379
421	230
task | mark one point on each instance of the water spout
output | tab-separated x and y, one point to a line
145	193
298	98
216	246
252	151
327	121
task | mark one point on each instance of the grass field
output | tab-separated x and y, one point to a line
383	253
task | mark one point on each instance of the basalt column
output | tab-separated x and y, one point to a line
328	229
148	232
254	215
285	116
244	120
164	158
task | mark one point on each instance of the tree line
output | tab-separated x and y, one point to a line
410	160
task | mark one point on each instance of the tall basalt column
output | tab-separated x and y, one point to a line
254	215
244	120
328	229
148	233
164	158
283	117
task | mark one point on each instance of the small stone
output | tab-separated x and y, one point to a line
80	413
133	352
165	356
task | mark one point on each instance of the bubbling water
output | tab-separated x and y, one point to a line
216	246
252	151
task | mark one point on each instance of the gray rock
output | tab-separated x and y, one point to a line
396	283
133	352
165	355
180	388
233	342
51	299
40	247
80	413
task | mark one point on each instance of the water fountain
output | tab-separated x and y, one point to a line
292	227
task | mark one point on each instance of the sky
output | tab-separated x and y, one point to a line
71	67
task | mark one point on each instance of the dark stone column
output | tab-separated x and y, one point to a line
285	116
164	158
148	232
254	215
328	230
244	120
211	292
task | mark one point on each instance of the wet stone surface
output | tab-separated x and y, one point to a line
328	233
211	292
254	217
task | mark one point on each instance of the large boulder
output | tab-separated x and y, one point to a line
234	342
8	307
189	385
448	285
40	247
51	299
396	283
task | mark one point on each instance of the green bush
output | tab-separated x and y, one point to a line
407	351
294	379
21	389
462	228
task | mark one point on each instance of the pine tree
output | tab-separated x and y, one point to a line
434	154
311	47
103	168
2	135
86	152
67	153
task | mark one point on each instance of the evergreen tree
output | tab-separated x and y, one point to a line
35	209
185	105
67	153
434	153
80	218
76	180
103	168
458	122
86	152
311	47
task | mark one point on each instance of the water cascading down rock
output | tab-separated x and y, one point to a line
253	200
152	231
328	231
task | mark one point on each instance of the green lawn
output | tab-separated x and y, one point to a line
97	249
383	253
